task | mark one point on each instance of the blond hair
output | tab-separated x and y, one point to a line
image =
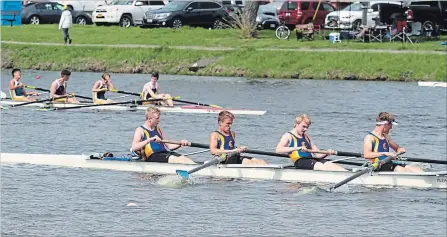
224	115
301	118
103	76
385	116
151	110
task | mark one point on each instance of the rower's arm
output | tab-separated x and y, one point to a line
150	92
394	145
53	90
283	145
95	87
12	86
170	146
137	143
111	86
316	155
368	150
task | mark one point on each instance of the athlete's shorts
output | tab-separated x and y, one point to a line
390	166
236	159
19	98
162	157
60	100
307	163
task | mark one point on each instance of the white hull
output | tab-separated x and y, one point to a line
270	172
176	109
432	83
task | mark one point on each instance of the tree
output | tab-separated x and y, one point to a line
245	21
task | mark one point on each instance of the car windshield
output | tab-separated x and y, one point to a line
353	7
120	2
176	6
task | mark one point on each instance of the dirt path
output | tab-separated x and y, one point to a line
328	50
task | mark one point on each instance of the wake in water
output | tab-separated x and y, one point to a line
174	181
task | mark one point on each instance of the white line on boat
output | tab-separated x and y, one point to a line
432	83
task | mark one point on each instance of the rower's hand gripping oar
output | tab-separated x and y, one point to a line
41	89
217	159
33	102
372	167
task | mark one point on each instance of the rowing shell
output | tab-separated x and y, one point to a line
262	172
194	109
432	83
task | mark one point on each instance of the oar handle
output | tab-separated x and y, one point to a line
125	92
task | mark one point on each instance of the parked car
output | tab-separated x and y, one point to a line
84	5
432	14
50	12
126	13
302	12
267	17
351	16
194	13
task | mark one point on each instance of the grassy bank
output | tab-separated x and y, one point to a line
190	37
243	62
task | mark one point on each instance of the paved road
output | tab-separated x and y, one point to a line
329	50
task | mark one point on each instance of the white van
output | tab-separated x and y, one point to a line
126	13
351	16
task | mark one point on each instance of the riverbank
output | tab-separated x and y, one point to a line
249	58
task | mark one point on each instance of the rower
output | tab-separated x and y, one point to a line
59	89
223	141
147	142
16	88
100	87
151	90
297	143
377	143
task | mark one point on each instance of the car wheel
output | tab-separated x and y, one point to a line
428	26
126	21
34	20
218	24
81	21
177	23
356	24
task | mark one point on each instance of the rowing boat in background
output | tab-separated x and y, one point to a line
262	172
194	109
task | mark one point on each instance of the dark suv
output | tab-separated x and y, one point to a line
194	13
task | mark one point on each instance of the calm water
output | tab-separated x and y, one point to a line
49	201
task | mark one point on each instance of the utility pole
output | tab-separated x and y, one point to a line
365	6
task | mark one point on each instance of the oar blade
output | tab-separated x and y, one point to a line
183	174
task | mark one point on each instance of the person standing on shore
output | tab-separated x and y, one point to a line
65	23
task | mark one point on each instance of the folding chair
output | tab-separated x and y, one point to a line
398	32
416	28
306	31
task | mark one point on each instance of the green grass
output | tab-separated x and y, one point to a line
243	62
190	37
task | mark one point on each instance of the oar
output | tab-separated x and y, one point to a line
265	153
422	160
41	89
372	167
99	105
33	102
352	154
125	92
185	174
196	103
196	152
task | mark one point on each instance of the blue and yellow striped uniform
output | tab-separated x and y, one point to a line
299	142
226	142
380	145
152	147
17	94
